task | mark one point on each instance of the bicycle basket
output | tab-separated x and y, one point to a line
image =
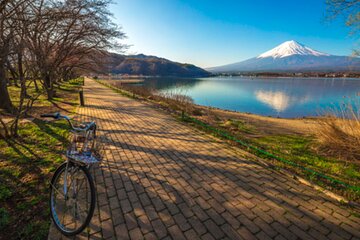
86	158
85	148
98	149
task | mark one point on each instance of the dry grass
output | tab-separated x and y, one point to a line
175	100
339	134
178	100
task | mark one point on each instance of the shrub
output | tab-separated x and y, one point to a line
339	133
5	193
178	101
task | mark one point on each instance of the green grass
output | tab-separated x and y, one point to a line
66	87
238	125
299	149
5	192
26	170
4	218
40	228
26	166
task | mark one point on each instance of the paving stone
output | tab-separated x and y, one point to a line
114	203
176	233
191	234
230	232
283	231
130	220
262	235
214	229
245	233
136	234
144	224
299	232
125	206
181	222
207	236
107	229
198	226
159	228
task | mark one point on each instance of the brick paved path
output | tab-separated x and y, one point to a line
161	179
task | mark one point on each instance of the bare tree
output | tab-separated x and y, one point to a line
66	33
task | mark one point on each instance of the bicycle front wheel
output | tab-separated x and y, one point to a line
72	198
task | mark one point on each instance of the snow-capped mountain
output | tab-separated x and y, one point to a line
289	48
292	56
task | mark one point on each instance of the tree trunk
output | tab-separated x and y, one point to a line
23	95
36	86
5	101
13	73
49	87
21	75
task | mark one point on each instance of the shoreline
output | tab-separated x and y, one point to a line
249	113
267	124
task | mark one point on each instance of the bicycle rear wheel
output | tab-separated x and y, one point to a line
72	198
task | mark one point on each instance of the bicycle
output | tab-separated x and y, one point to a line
72	189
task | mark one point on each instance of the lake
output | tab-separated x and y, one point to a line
277	97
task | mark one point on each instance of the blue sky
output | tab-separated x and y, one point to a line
211	33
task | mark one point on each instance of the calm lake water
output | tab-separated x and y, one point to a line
278	97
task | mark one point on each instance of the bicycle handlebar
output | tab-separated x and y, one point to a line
52	115
57	115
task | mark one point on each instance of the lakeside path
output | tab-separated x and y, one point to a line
161	179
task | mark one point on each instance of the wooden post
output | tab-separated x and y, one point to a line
81	96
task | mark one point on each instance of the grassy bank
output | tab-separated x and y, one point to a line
290	139
27	163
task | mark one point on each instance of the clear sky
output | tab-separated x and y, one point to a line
211	33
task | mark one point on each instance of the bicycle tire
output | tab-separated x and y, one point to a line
54	218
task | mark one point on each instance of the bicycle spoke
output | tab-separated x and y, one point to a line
80	185
71	176
77	213
82	219
56	190
64	215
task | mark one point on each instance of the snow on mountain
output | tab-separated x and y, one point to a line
292	56
289	48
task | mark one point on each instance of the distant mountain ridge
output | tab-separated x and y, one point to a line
292	56
141	64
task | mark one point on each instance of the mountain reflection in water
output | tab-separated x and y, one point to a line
278	97
278	100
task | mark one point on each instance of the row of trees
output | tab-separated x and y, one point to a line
45	42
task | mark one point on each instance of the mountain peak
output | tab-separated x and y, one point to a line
289	48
